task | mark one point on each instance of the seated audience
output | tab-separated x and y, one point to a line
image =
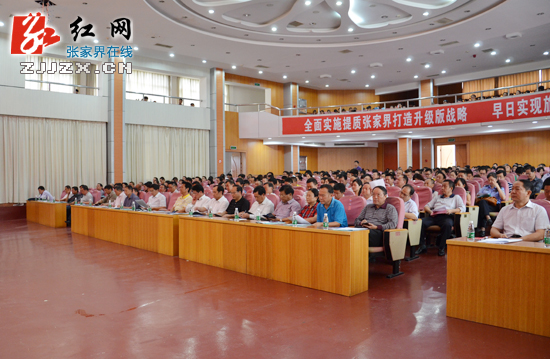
339	190
66	194
109	196
75	196
377	217
501	176
334	209
521	219
157	200
288	204
411	209
366	192
121	196
131	198
461	182
389	179
440	211
401	180
488	200
87	197
262	204
309	212
200	202
546	188
311	183
356	186
184	200
99	187
45	195
218	204
238	203
268	186
536	183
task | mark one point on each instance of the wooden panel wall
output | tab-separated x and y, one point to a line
390	156
427	149
342	158
312	155
345	97
405	145
310	95
425	91
260	158
416	154
277	97
532	147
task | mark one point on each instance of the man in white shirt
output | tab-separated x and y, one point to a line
120	196
401	180
440	211
411	209
218	204
262	204
366	192
200	201
522	219
157	199
87	197
45	195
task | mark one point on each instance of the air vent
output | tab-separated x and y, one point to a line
314	144
325	76
350	144
344	80
166	46
376	64
488	50
444	21
295	24
435	75
513	35
44	2
346	51
449	43
262	67
437	52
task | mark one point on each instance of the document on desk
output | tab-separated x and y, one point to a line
268	222
500	240
347	229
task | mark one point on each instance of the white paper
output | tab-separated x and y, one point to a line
500	240
300	220
347	229
376	183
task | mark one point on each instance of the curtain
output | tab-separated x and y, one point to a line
153	151
189	88
519	79
150	83
545	76
51	153
479	85
91	81
70	79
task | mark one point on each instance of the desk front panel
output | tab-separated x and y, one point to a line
150	231
331	261
502	285
47	214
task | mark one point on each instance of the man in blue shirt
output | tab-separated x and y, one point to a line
334	208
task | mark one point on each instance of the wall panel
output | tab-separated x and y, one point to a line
346	97
310	95
277	98
312	154
342	158
390	156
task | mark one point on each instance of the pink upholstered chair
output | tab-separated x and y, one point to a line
300	199
349	192
274	198
147	196
544	203
541	196
415	198
167	195
417	183
96	195
471	207
424	196
299	191
393	191
228	197
250	198
173	198
142	195
353	206
504	185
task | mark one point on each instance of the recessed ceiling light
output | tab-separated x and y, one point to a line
374	134
535	121
260	72
410	132
233	67
303	137
372	76
269	138
415	76
350	29
409	59
443	72
338	3
96	41
284	76
326	85
307	81
426	13
493	53
210	11
274	28
172	55
136	48
308	3
338	136
203	61
427	66
508	60
477	44
367	85
352	71
1	23
545	53
490	126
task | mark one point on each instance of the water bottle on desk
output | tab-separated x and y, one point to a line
210	214
547	237
121	205
325	221
294	220
191	212
258	216
133	206
236	214
471	232
110	205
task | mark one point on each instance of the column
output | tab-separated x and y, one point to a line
426	90
217	122
116	132
404	152
427	153
290	97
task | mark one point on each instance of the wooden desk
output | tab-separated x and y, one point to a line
505	285
153	232
47	213
328	260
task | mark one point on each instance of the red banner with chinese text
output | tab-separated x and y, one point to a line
500	109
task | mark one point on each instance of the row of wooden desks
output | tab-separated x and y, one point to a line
47	213
329	260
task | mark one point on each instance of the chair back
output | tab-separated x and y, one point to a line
167	195
274	198
96	196
299	191
437	186
541	196
393	191
424	196
417	183
476	185
504	185
459	191
249	189
250	198
147	196
349	192
142	195
472	190
510	177
398	203
228	197
523	177
62	194
173	198
300	199
276	191
415	198
353	206
544	203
